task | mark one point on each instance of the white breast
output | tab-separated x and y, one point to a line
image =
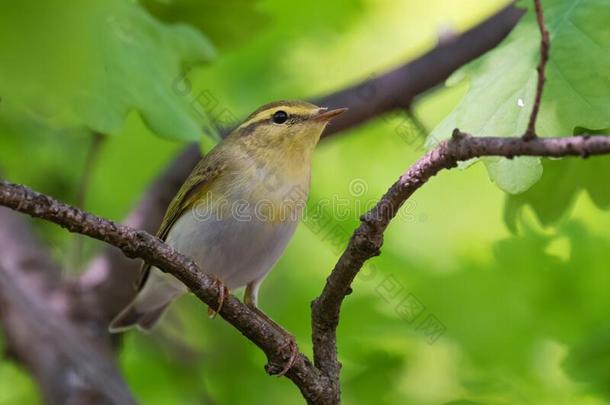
238	248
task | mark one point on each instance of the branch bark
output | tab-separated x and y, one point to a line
111	275
107	285
545	44
367	239
318	383
138	243
398	88
110	280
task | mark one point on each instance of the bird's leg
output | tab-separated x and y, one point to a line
250	298
222	293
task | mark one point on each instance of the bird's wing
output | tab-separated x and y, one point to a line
195	186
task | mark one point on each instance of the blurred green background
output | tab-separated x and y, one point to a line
521	313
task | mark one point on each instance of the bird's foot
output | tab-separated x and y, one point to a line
294	352
290	343
223	291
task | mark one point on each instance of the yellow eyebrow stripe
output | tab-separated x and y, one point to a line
261	116
266	114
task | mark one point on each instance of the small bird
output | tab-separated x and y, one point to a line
237	210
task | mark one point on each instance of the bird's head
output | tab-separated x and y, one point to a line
284	129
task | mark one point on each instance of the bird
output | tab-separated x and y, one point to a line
237	210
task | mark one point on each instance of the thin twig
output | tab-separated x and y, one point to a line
367	239
137	243
417	123
111	275
398	88
76	250
109	282
545	45
319	384
392	90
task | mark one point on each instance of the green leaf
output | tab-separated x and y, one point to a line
514	175
227	23
563	180
502	85
98	64
139	68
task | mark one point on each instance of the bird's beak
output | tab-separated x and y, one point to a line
324	114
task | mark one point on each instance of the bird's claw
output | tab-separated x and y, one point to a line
294	351
222	293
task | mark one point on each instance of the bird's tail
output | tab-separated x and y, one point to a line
146	309
132	317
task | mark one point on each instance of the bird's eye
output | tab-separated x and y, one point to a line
279	117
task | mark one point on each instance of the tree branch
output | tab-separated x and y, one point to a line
109	282
545	45
367	239
318	384
397	89
137	243
63	347
111	275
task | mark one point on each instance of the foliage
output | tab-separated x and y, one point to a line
227	23
96	65
502	85
525	311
